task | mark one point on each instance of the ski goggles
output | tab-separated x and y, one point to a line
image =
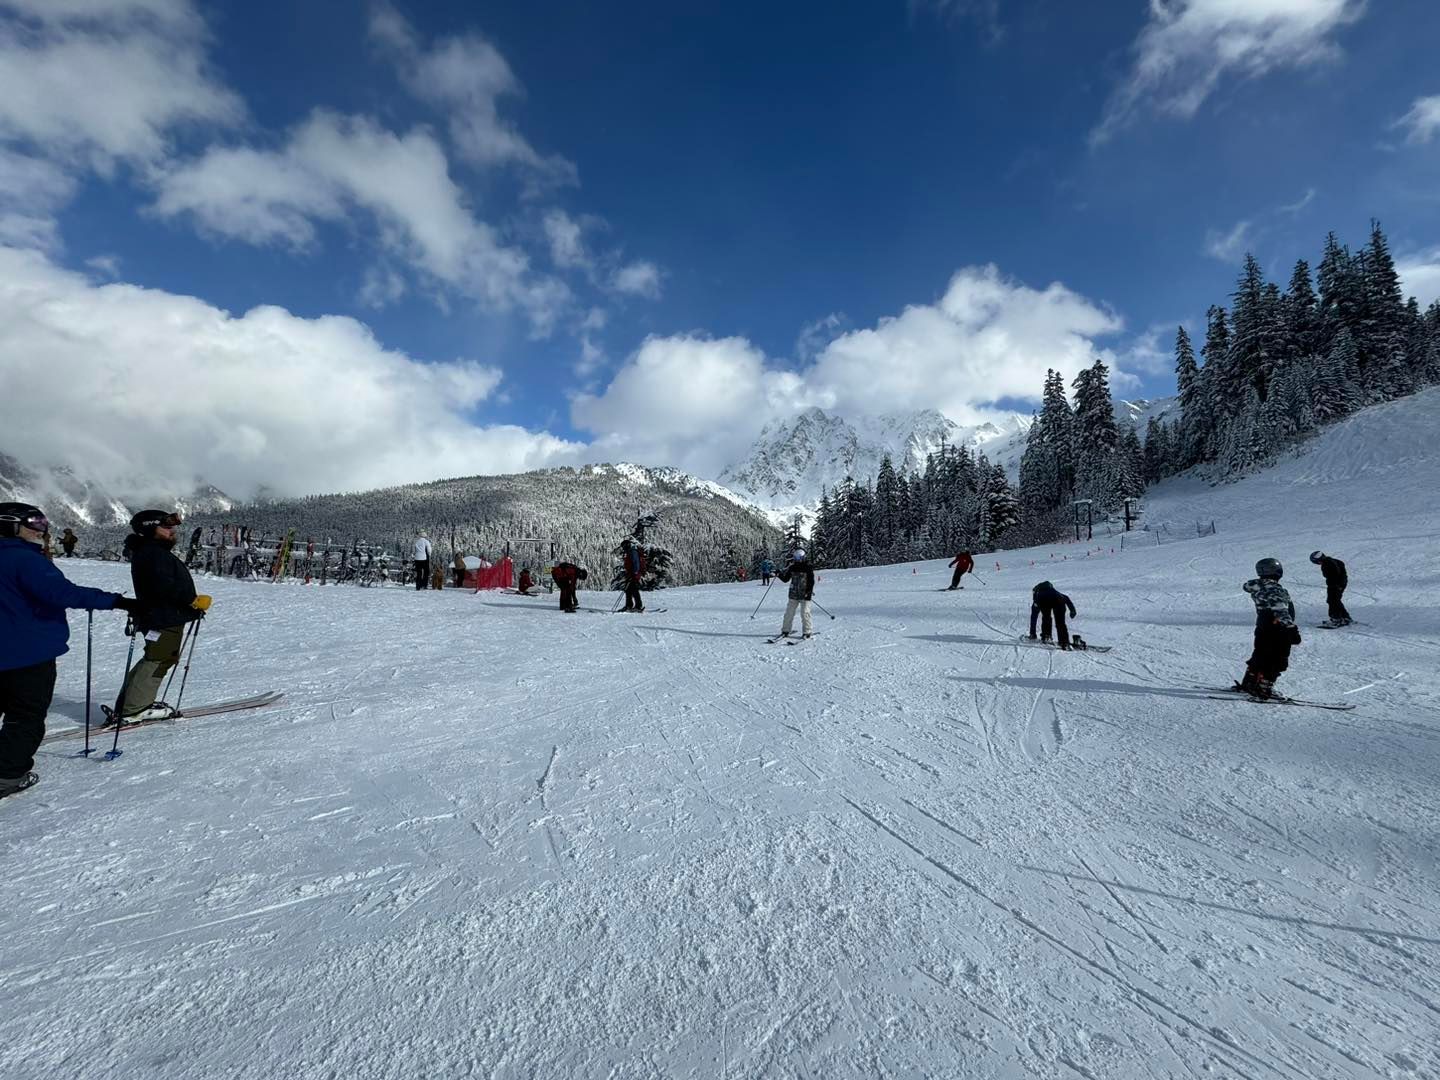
36	522
169	521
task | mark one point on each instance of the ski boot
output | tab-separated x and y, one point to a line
1077	642
156	711
14	784
1248	684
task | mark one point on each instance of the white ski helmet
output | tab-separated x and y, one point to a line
798	555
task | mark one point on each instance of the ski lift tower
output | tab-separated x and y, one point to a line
540	549
1134	507
1084	515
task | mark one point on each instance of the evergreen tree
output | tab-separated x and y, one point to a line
1196	425
1381	340
1096	437
1249	362
1058	431
1158	453
887	505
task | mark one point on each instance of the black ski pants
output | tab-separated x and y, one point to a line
955	581
1333	594
1271	655
568	600
25	695
1047	613
632	596
422	573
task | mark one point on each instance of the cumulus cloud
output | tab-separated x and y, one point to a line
698	402
337	168
1422	122
1420	275
567	245
1188	46
639	278
466	77
1230	244
31	192
170	389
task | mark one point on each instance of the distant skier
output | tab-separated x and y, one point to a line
1049	603
767	571
165	601
963	565
1335	582
457	568
634	556
801	577
1275	630
33	633
567	577
740	573
193	552
423	550
526	582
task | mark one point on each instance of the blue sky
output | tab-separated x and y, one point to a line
336	245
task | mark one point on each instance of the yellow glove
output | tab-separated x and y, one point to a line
201	603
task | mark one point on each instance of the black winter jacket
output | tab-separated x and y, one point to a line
164	589
801	577
1334	571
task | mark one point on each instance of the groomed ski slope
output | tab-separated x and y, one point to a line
482	838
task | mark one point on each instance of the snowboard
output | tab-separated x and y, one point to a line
1025	640
256	701
1234	693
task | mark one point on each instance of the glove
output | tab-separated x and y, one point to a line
201	603
1294	635
125	604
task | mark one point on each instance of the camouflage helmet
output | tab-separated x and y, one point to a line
1316	556
1269	568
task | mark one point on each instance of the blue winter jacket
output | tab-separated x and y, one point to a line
33	599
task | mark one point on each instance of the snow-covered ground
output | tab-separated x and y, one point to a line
483	838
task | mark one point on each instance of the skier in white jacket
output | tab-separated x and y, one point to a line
423	548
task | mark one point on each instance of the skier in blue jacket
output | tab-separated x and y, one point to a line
33	632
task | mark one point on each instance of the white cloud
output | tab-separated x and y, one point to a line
467	77
381	288
1228	246
567	244
1422	122
170	388
639	278
31	192
1188	46
698	402
105	81
334	168
814	336
1420	275
1301	203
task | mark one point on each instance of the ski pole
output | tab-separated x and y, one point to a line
171	681
194	637
977	577
817	604
89	643
762	598
616	606
115	750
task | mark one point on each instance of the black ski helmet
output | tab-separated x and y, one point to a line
15	514
1316	556
582	574
1269	568
147	521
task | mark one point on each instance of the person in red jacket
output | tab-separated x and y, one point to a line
567	577
526	582
963	565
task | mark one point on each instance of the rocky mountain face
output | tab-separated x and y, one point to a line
71	497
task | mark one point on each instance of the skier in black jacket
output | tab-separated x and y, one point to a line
1049	603
165	601
800	576
1335	581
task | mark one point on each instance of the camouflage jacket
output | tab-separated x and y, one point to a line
1272	602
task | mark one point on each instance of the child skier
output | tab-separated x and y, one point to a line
1051	603
801	577
1275	630
1335	581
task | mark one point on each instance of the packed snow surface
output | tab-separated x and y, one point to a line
484	838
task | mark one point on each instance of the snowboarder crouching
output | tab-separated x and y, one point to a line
567	576
526	582
1335	582
963	564
1049	603
801	577
1275	630
33	634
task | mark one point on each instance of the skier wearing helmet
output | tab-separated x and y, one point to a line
33	635
1335	581
1275	630
801	577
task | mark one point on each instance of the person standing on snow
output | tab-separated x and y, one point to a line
422	561
566	576
963	565
33	634
1275	630
767	570
1335	582
68	542
801	577
634	557
165	601
1050	603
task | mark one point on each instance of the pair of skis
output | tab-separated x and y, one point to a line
788	640
1234	693
255	701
